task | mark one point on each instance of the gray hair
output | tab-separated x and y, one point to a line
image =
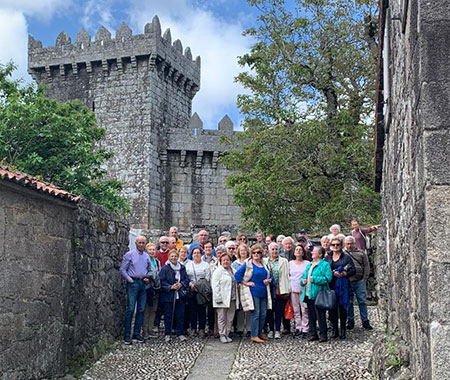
227	234
229	243
325	237
349	238
280	237
286	239
173	228
273	244
335	226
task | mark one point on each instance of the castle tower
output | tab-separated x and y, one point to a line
138	86
141	89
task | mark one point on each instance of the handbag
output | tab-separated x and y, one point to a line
282	296
185	293
289	310
325	299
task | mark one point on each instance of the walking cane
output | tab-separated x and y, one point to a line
173	312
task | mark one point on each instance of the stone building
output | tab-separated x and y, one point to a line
60	289
141	89
413	170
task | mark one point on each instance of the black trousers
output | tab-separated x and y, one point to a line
316	315
338	314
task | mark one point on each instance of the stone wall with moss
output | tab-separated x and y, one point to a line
60	290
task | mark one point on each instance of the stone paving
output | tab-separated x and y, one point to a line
286	358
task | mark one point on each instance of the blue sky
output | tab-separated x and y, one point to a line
212	28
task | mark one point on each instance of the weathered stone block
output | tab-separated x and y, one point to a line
437	233
440	354
437	156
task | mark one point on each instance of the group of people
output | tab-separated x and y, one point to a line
250	288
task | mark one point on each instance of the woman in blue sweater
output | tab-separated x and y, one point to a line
254	279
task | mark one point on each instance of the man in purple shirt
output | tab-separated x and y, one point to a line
135	266
359	234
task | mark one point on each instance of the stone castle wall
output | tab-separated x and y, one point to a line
141	89
60	287
414	272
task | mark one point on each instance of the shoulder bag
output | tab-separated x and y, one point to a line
325	299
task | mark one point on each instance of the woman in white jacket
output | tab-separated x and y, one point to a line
279	268
225	296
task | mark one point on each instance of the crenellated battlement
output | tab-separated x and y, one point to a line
126	51
197	139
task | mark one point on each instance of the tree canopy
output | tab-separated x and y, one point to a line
55	142
307	150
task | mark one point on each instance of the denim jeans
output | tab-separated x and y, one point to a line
258	316
358	288
136	294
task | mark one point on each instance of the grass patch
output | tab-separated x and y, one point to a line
82	361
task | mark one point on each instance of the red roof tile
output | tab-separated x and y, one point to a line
31	182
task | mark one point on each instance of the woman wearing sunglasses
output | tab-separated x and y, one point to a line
343	268
255	278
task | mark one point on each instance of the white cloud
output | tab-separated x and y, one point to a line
13	41
97	13
44	9
216	41
14	28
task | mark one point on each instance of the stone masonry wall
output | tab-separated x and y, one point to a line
60	290
137	86
141	89
416	179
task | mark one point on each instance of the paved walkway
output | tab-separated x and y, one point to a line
286	358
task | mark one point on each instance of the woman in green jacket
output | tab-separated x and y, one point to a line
316	277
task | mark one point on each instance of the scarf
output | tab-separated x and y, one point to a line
176	269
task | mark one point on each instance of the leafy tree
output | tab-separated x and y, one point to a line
306	156
55	142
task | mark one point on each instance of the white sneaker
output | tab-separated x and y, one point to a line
229	340
270	335
223	339
167	338
277	335
182	338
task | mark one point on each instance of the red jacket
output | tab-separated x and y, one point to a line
163	256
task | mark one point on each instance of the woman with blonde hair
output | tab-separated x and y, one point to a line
225	296
255	296
152	293
242	323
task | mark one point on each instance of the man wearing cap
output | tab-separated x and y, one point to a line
134	268
304	234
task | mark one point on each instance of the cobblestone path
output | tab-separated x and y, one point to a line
286	358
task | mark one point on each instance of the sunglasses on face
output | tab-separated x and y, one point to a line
335	245
231	248
257	253
163	242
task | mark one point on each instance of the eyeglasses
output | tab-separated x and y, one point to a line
231	248
163	242
257	253
335	245
243	238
